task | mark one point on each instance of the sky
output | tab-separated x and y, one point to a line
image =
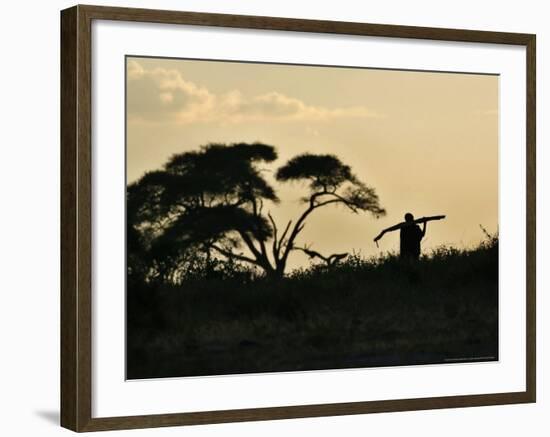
427	142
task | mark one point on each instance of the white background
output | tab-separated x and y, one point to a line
112	396
29	243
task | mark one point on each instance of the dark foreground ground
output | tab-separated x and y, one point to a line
360	313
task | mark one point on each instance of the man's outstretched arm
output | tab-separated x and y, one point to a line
390	229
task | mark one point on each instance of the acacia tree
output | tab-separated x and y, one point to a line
211	203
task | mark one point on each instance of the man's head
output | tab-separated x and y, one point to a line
409	217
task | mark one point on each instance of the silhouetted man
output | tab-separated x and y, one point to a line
410	238
410	235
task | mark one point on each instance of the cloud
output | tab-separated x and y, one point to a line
164	95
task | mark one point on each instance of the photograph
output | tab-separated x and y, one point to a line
293	217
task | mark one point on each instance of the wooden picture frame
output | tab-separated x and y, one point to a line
76	217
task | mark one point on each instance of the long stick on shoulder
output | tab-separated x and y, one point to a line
400	225
429	219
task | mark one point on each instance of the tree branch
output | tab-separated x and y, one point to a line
257	210
230	254
250	244
261	207
338	199
263	248
330	260
275	238
295	231
314	197
313	206
311	253
261	258
282	240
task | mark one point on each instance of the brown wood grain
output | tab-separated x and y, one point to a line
76	217
531	215
69	309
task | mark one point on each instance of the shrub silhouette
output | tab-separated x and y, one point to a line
361	312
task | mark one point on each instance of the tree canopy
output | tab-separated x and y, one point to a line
211	203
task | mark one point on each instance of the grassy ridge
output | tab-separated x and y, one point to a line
359	313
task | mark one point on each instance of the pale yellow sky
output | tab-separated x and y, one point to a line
427	142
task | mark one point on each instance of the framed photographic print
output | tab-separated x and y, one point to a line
268	218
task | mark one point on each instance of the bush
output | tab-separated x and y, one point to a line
361	312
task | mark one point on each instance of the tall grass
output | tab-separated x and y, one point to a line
359	313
